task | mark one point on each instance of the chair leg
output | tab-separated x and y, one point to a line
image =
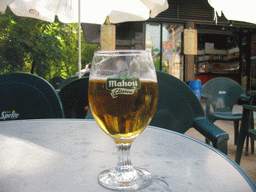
236	126
247	146
252	145
240	145
252	127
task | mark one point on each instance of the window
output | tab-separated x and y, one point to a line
165	43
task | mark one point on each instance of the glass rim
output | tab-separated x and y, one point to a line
121	52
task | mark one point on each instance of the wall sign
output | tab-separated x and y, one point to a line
108	37
190	41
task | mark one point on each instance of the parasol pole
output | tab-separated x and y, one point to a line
79	39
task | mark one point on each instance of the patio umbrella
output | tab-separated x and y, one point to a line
86	11
235	9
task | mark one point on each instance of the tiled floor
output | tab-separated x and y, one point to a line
248	163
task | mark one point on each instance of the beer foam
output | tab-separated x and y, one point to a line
102	74
107	77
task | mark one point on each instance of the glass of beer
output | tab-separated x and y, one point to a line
123	96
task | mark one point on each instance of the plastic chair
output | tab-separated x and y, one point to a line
246	130
74	98
56	81
70	79
179	110
27	96
66	82
222	94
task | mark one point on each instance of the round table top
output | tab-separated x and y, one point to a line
68	154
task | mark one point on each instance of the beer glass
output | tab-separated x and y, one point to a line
123	96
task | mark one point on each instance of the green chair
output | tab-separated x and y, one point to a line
66	82
27	96
246	130
74	98
56	81
222	94
179	110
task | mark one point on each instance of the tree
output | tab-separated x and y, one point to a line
39	47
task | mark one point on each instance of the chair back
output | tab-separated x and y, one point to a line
56	81
66	82
27	96
177	104
70	79
222	93
74	98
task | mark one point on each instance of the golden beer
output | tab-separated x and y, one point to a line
125	115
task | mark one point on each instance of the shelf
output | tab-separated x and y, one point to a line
217	73
217	61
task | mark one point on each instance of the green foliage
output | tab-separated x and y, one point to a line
157	64
39	47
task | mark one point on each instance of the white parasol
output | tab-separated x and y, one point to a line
236	10
86	11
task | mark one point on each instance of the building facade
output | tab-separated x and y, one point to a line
224	48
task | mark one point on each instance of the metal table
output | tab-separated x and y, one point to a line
67	155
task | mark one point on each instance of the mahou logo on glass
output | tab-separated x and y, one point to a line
124	86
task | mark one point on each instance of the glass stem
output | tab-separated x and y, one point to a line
124	172
124	157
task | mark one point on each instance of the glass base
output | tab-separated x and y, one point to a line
115	179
